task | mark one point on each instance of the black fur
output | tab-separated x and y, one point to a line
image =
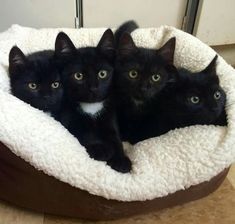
36	69
135	96
98	133
127	27
176	108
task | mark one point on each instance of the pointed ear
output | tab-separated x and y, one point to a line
167	51
17	59
63	45
106	43
126	45
211	68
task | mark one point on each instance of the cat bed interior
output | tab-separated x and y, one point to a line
162	166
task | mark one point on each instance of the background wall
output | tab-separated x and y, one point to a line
37	13
214	21
215	25
227	52
148	13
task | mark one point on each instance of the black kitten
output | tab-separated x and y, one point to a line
141	74
88	77
196	98
36	80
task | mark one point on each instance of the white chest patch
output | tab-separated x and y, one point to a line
92	108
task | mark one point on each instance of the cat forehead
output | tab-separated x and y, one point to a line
44	71
145	65
39	78
200	89
149	55
203	80
39	73
198	78
89	54
88	63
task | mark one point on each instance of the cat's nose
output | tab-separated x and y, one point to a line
46	97
143	89
93	89
214	109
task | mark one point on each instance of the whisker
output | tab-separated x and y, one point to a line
171	81
230	104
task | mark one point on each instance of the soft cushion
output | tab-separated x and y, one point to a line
161	165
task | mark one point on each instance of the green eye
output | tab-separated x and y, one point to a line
102	74
217	95
156	77
55	85
32	85
78	76
133	74
195	99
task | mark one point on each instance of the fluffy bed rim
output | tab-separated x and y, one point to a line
161	166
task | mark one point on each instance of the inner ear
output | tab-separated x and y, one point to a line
106	43
211	68
167	51
126	45
16	57
63	45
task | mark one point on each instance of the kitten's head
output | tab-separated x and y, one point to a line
199	95
142	73
88	71
35	79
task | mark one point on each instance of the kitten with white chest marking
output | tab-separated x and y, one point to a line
88	78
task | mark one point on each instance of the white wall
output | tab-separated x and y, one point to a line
37	13
148	13
227	52
215	24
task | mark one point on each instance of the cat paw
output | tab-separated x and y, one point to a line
120	164
99	152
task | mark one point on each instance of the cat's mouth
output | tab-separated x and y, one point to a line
138	102
92	99
145	95
47	106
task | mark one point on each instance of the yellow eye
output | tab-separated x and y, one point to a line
55	85
217	95
133	74
156	77
32	85
103	74
195	99
78	76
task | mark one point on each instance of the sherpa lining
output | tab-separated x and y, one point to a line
161	165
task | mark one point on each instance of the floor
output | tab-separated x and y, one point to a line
218	208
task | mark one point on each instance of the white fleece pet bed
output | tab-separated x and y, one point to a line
161	165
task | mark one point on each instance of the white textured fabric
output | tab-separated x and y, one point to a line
161	165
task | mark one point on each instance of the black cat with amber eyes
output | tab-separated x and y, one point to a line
35	79
88	82
197	98
140	75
